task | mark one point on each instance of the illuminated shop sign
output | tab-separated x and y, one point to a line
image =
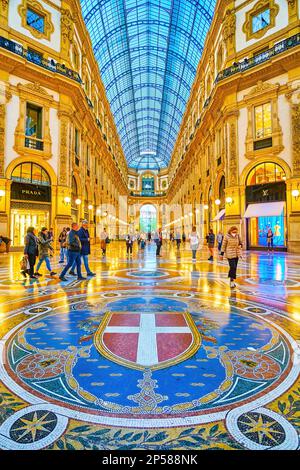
30	192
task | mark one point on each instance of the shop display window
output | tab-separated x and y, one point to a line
259	227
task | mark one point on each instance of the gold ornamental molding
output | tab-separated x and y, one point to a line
229	31
4	12
4	98
257	8
295	110
293	10
67	32
38	8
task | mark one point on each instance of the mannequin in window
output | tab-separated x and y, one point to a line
277	230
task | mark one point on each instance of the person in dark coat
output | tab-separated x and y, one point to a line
74	249
85	251
7	242
210	238
30	251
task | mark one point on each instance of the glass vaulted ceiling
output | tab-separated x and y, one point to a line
148	52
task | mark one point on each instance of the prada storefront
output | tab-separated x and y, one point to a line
30	201
266	206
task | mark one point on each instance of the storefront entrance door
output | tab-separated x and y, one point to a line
21	219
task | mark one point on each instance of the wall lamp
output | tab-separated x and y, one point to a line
217	202
67	200
2	193
295	194
229	200
205	207
78	202
90	207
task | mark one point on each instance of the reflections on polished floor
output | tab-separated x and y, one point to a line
152	353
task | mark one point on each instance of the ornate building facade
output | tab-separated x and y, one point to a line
237	153
60	156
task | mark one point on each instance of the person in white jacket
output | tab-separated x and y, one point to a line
194	243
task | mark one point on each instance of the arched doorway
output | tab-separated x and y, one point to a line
266	205
148	218
30	200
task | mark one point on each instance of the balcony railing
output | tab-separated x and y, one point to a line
41	62
33	143
142	194
247	64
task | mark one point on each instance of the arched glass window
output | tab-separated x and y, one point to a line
31	173
266	172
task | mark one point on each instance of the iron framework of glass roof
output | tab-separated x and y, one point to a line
148	52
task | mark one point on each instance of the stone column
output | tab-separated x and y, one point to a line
63	209
67	34
3	13
233	190
5	96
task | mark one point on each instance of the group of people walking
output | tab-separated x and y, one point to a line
230	245
74	246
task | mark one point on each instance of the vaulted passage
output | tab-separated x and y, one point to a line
149	229
148	53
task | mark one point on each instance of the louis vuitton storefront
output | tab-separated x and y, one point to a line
30	200
266	207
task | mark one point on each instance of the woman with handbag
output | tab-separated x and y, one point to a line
30	252
45	248
232	247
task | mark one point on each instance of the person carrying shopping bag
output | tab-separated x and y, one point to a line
30	251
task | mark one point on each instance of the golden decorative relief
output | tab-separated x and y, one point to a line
67	32
293	10
296	138
3	12
229	31
38	8
257	8
7	96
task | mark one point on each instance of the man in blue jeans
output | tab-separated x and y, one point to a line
84	238
74	247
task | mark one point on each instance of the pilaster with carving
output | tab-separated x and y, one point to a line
3	12
295	109
293	10
67	33
5	96
293	97
233	160
229	31
64	164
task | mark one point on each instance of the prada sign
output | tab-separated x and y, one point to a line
266	192
30	192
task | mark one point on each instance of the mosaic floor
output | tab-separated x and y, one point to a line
152	353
